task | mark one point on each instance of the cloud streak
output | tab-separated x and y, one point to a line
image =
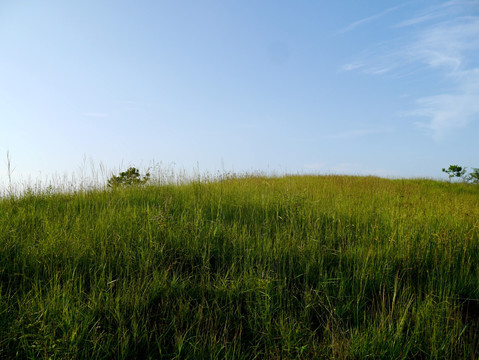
450	110
369	19
359	133
450	47
444	40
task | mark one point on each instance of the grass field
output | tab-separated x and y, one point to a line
294	267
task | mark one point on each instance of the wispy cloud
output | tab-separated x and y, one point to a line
365	68
450	47
443	39
359	133
450	110
369	19
431	13
96	115
417	20
352	66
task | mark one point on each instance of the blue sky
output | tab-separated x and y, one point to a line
379	87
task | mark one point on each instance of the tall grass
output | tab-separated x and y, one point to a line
243	268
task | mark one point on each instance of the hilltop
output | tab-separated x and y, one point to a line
243	267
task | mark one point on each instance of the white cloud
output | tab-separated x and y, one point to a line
447	44
451	110
450	47
417	20
359	133
352	66
444	39
432	13
378	70
369	19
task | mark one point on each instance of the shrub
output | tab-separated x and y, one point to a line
129	177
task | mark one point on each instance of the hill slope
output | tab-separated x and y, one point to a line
253	267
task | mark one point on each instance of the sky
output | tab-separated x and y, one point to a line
382	88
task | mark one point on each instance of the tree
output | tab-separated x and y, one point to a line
455	171
474	176
129	177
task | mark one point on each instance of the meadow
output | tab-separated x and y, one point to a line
243	267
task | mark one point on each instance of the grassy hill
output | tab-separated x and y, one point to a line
248	267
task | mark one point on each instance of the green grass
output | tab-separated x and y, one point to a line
302	267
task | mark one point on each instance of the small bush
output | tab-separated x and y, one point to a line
129	177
